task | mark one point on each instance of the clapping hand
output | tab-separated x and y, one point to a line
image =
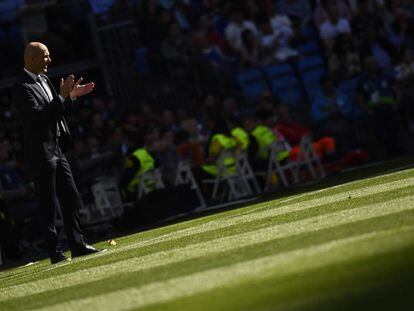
79	89
66	86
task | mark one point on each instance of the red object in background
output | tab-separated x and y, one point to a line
293	132
323	146
191	151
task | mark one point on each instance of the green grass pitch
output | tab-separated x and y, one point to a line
344	247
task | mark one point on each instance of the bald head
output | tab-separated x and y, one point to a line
36	57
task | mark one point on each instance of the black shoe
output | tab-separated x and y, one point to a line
86	250
58	257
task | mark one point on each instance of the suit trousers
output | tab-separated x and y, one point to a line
55	186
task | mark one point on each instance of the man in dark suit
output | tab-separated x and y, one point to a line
42	110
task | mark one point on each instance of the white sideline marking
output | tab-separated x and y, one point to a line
302	260
207	248
271	212
274	209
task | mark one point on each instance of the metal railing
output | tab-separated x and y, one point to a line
166	84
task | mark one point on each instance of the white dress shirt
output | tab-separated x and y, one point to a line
45	87
49	95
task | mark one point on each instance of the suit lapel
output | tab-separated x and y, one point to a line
38	90
52	89
61	118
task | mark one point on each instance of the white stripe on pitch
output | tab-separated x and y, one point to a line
272	211
206	248
357	184
297	261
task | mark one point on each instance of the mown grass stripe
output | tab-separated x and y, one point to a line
224	220
345	187
136	279
30	274
297	261
271	211
208	248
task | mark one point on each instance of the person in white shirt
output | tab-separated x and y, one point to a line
235	28
275	42
333	27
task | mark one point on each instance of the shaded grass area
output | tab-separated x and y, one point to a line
373	283
381	281
233	230
361	176
126	280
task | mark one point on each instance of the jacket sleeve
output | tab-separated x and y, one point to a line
30	109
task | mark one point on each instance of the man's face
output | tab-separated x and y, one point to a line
41	60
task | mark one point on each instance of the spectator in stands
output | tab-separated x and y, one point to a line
131	125
322	11
261	137
175	47
98	129
409	6
404	73
168	122
275	39
375	90
268	100
378	96
249	51
148	117
188	149
12	185
208	109
333	27
251	10
364	18
8	237
193	129
220	140
118	143
344	60
298	10
136	164
154	24
400	33
405	70
230	110
280	23
293	132
211	55
182	14
331	111
18	195
380	48
241	136
206	26
235	28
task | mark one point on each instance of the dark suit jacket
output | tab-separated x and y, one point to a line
39	117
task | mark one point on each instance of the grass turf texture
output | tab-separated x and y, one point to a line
346	247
